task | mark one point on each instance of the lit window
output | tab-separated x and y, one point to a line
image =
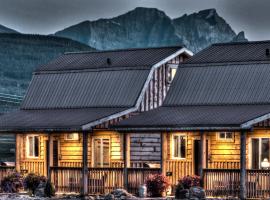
173	72
33	146
225	136
179	146
72	136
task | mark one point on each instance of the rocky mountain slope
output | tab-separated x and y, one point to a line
146	27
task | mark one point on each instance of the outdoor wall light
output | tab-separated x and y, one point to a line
265	163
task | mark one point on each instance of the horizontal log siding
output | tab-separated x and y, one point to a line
71	151
32	165
223	154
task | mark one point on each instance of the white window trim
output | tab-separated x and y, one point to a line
101	149
172	149
27	147
76	139
225	139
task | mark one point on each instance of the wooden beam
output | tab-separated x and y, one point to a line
18	152
164	152
48	156
85	167
126	153
243	165
202	150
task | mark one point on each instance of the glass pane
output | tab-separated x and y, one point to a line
106	152
176	146
265	149
36	146
229	135
222	135
255	154
97	155
183	147
30	146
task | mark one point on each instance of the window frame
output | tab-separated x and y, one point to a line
225	139
173	146
76	139
260	150
101	151
28	146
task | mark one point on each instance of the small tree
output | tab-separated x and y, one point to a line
157	184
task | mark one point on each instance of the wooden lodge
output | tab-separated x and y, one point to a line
63	125
214	121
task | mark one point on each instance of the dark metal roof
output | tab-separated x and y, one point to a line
46	120
115	88
118	58
220	85
233	52
195	117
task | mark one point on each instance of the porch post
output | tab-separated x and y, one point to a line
18	152
243	165
48	152
85	167
164	153
202	152
126	153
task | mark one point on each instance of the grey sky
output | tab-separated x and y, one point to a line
48	16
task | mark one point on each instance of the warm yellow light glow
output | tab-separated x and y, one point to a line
173	72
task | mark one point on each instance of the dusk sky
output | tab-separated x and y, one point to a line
49	16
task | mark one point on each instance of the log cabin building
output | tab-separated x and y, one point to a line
62	125
214	121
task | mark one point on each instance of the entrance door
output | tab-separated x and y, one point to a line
55	153
198	155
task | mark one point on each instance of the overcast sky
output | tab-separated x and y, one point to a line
49	16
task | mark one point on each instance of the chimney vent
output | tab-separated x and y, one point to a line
109	62
267	52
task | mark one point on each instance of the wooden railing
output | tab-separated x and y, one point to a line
138	176
100	180
66	179
37	167
221	182
178	169
104	180
258	183
5	171
224	165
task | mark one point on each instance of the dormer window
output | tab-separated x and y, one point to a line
173	70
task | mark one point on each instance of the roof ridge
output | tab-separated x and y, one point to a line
127	49
217	104
241	43
211	64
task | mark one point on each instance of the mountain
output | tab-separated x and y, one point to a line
146	27
4	29
21	53
138	28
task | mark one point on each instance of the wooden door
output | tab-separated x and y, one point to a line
198	155
55	153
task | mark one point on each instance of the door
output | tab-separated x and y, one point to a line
101	152
198	155
55	153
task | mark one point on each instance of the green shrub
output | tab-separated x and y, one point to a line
31	182
49	189
157	184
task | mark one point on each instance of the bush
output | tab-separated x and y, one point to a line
31	182
12	183
189	181
49	189
157	184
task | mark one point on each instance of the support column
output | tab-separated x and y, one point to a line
85	167
243	165
202	152
48	157
163	151
18	152
126	153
